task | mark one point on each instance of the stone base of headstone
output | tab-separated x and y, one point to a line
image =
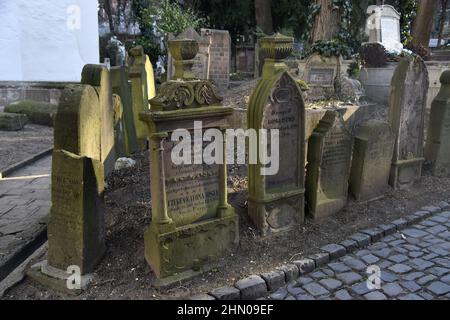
177	254
327	208
278	215
12	121
57	279
405	173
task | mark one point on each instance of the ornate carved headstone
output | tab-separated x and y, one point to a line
99	77
192	222
407	107
372	159
328	168
276	202
438	140
122	87
321	75
76	236
143	89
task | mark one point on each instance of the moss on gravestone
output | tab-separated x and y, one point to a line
42	113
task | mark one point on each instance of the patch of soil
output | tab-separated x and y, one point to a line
16	146
124	273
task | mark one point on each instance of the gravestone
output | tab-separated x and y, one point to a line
321	75
438	140
12	121
372	159
76	236
119	132
328	169
192	222
99	77
122	87
276	201
407	107
143	89
383	26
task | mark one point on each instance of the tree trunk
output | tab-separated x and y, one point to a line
109	13
423	23
263	12
326	24
444	4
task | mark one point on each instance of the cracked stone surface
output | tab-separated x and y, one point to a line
414	265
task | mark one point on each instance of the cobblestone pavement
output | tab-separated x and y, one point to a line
414	264
24	207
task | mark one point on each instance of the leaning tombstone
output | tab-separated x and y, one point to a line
142	88
192	222
328	168
122	87
372	158
438	140
407	107
76	236
99	77
276	199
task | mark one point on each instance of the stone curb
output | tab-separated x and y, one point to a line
19	165
260	286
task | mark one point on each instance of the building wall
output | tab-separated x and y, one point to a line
38	44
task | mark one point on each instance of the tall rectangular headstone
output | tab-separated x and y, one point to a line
383	26
407	107
276	200
372	159
328	169
192	222
437	150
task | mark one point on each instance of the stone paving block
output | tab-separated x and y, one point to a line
425	295
318	275
423	214
343	295
361	288
290	271
410	297
315	289
320	259
355	264
426	279
446	279
377	246
349	245
392	290
349	278
439	250
400	223
415	233
280	294
295	289
443	205
362	239
412	219
439	288
370	259
439	219
437	229
305	297
226	293
411	286
429	223
387	276
328	272
400	268
304	280
383	253
252	287
374	233
385	264
338	267
442	262
398	258
331	284
363	252
420	264
200	297
305	266
413	276
388	229
431	209
375	295
334	250
274	280
415	254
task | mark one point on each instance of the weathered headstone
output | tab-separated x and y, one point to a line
192	222
12	121
321	75
276	201
407	107
119	131
437	150
122	87
142	88
383	26
76	236
372	159
328	169
99	77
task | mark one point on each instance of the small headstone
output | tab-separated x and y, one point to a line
321	74
383	26
99	77
119	132
407	107
276	201
142	88
328	168
372	159
12	121
438	140
122	87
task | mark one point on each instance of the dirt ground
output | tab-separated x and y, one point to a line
16	146
124	274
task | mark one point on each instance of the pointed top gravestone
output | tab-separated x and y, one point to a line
276	200
407	107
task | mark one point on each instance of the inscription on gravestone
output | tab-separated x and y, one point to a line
321	76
